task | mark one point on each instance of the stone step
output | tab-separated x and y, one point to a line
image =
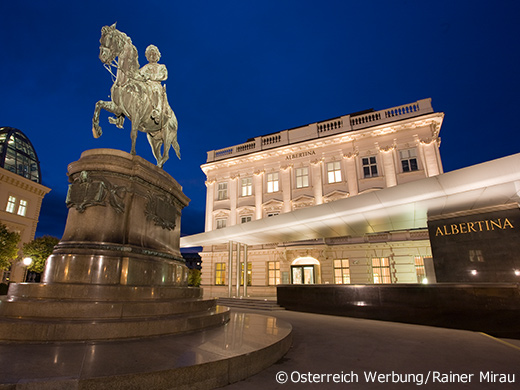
99	292
250	303
209	359
56	329
97	310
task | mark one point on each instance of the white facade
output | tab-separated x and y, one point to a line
311	165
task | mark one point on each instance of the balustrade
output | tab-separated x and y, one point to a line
354	123
272	139
330	125
403	110
245	147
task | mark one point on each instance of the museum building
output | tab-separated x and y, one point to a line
312	165
21	191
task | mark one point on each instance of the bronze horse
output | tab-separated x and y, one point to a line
131	96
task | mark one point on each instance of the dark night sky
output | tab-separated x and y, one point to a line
240	69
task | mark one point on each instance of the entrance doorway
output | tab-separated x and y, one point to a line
305	270
302	274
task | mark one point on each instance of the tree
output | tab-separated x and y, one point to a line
8	247
39	250
194	276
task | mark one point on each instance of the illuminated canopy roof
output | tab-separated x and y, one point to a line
405	206
18	155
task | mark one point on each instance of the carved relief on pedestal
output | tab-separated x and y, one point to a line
162	210
86	191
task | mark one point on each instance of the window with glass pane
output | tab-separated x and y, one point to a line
245	218
419	269
22	208
273	269
334	172
409	160
222	191
11	204
247	186
369	166
381	270
249	274
220	273
475	255
272	182
302	177
221	223
342	271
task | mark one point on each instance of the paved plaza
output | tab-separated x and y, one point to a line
357	349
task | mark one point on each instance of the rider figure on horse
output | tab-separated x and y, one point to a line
154	73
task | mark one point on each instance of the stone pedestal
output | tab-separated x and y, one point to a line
114	309
117	272
123	225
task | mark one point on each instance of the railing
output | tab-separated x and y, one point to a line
245	147
403	110
323	129
330	125
272	139
223	152
367	118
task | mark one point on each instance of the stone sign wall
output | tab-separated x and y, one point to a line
477	246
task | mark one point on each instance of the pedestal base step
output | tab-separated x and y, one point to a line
69	312
213	358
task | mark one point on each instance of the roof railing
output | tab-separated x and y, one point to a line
323	129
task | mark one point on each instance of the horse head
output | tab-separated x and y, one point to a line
111	43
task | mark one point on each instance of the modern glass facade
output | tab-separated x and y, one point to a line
17	154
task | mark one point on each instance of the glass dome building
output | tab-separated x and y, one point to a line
17	154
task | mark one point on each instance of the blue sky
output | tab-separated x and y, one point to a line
240	69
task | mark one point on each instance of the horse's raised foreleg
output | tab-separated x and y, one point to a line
108	106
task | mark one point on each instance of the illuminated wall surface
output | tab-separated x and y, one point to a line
477	247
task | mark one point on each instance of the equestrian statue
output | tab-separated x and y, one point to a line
137	93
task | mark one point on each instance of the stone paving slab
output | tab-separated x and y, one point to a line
326	344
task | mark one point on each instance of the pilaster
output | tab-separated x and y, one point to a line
317	185
285	174
351	173
210	199
258	180
233	194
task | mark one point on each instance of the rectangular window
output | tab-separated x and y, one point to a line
222	191
342	271
475	255
302	177
272	182
409	160
247	186
272	214
419	269
221	223
220	274
273	270
22	208
334	172
11	204
245	218
381	270
369	166
249	274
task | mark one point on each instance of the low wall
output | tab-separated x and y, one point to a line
489	308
